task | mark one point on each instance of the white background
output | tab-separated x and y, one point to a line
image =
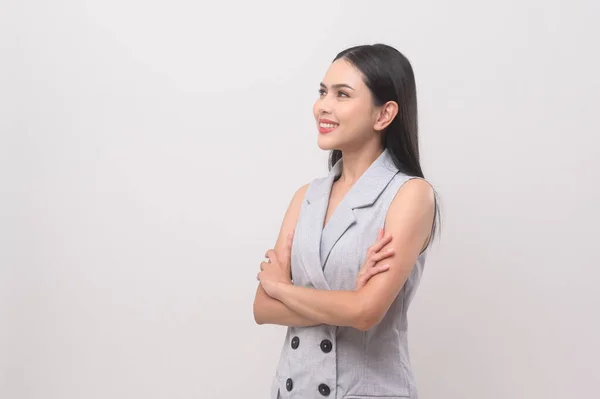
149	149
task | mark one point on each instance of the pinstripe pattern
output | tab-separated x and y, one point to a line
371	364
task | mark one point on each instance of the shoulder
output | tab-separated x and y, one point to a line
415	187
296	203
290	219
415	196
300	193
308	191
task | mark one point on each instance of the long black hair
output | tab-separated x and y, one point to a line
390	77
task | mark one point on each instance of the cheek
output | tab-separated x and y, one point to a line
351	113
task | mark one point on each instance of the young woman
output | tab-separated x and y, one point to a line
352	245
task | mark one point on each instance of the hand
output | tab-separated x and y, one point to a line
374	255
274	271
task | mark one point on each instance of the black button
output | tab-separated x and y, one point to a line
289	384
295	342
324	390
326	346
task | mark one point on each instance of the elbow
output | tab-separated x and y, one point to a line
258	315
365	323
258	320
366	317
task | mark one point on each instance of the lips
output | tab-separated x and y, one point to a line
327	126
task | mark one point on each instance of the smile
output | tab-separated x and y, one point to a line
328	125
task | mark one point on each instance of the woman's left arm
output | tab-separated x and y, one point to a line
408	220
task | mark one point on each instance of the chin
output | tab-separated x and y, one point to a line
326	143
325	147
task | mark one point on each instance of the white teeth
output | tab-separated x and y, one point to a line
328	125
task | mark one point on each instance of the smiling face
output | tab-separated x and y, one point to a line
345	114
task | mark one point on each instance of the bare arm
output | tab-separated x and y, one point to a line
409	221
268	310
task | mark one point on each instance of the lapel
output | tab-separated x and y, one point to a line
363	193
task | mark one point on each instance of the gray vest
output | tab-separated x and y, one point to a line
343	362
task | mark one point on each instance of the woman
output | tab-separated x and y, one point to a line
352	245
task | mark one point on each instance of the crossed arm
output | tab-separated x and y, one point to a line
408	220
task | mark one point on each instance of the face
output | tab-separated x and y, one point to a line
344	112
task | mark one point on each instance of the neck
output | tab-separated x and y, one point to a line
355	163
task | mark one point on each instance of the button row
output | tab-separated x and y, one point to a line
323	388
326	345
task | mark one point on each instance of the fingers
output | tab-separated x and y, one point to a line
382	255
373	259
371	271
375	252
378	269
375	270
366	275
263	264
381	242
288	242
374	255
272	256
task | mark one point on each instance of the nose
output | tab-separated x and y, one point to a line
325	105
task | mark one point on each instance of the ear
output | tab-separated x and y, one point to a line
385	116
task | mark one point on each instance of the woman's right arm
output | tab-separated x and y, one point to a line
272	311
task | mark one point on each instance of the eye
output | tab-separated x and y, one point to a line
343	94
321	92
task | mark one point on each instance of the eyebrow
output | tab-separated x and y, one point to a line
337	86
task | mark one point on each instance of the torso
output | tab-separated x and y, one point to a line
361	364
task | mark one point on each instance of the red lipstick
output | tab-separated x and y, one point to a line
327	126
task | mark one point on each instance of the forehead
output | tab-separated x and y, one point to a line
341	71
